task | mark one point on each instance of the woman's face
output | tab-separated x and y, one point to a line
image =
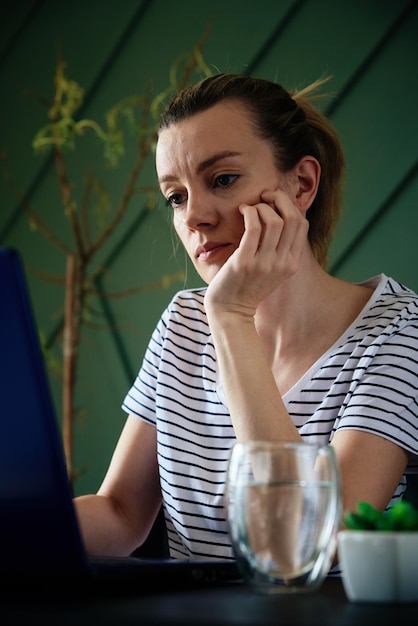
207	166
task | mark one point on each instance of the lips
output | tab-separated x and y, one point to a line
209	249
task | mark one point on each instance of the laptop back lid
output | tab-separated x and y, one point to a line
39	531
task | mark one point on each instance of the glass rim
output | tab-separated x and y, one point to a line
284	444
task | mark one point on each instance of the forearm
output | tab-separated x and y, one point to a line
104	528
119	517
255	404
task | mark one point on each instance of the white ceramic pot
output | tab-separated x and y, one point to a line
379	566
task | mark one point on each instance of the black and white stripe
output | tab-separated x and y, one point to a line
367	381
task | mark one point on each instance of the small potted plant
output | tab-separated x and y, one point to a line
379	553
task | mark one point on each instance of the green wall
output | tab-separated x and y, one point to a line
114	48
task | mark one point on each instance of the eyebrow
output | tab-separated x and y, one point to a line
203	165
213	159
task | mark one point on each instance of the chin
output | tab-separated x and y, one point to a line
208	275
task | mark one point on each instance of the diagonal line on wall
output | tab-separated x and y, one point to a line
100	77
55	332
370	58
272	40
104	70
378	215
22	26
104	300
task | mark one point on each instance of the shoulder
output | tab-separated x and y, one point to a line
390	288
186	312
188	299
392	301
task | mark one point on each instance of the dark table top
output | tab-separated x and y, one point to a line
227	605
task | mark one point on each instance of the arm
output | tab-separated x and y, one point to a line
255	404
371	468
371	465
269	253
119	517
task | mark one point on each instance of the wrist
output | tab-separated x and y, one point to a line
229	315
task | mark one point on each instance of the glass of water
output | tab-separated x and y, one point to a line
284	511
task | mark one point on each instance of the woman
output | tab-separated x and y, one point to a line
275	347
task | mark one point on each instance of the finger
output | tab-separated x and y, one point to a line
284	236
253	229
295	223
272	227
275	198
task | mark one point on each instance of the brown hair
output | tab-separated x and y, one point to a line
295	129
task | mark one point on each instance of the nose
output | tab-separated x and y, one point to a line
200	211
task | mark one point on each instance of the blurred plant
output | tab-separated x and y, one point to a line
401	516
140	113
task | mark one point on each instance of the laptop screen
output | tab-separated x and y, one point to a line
38	527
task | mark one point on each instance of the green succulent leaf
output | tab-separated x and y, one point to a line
402	516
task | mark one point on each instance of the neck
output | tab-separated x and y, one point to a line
310	309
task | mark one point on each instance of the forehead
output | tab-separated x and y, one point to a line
224	127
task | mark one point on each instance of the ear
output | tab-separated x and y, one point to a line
307	174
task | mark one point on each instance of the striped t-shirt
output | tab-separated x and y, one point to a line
368	380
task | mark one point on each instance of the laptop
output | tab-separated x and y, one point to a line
39	533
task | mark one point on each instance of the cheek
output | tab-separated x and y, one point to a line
181	231
176	223
238	225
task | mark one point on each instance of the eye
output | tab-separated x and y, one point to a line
175	199
225	180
